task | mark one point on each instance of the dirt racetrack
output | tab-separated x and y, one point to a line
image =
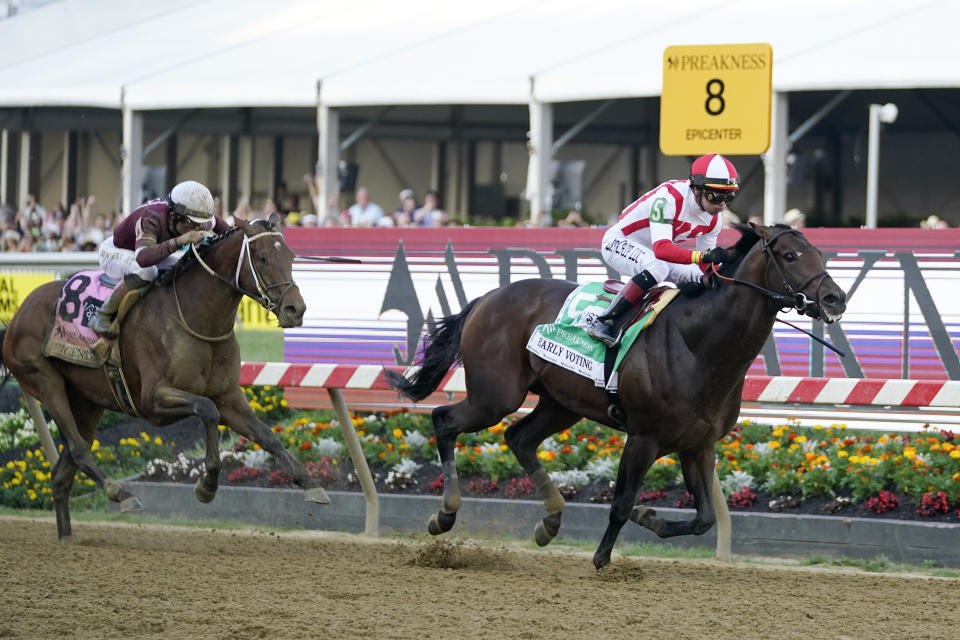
130	581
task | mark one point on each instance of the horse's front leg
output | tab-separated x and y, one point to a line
236	414
698	475
638	454
172	405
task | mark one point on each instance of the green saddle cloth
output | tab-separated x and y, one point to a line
566	343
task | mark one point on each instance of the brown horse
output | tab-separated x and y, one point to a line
680	383
180	359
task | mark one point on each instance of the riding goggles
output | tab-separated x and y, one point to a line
718	197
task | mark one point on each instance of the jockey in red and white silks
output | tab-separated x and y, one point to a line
644	237
642	244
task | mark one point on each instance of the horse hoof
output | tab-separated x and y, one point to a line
131	505
600	560
317	495
640	513
541	536
203	494
546	530
441	523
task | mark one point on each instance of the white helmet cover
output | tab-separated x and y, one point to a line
192	200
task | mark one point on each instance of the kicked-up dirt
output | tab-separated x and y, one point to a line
145	581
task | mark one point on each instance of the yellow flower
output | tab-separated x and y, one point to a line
955	454
96	445
547	455
10	464
504	447
883	439
146	438
221	427
800	439
774	444
909	453
29	453
842	454
31	494
397	433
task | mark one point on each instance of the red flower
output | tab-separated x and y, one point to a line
305	446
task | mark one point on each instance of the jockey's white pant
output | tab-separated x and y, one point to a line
630	258
117	263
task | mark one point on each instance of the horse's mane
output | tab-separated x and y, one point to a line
748	238
190	259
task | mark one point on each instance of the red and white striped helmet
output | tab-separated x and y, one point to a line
713	171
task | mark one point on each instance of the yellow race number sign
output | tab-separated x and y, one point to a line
14	288
716	99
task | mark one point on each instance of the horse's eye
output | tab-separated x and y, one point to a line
262	259
790	256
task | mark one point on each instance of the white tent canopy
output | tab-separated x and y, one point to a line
180	54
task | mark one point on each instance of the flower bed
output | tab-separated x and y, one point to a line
784	468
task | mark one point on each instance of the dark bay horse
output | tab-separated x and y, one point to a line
180	359
680	384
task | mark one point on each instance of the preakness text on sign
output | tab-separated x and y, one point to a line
716	99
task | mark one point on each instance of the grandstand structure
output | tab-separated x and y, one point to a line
477	100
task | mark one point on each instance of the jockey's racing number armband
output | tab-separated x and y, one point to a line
657	213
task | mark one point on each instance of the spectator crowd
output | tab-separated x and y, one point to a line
79	228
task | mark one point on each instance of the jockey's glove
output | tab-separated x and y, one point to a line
715	255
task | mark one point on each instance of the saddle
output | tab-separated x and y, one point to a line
646	303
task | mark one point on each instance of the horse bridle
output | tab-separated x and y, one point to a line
795	298
264	298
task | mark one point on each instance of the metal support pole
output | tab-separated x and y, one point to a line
775	162
539	146
4	166
873	163
132	159
878	114
36	414
372	523
328	158
724	527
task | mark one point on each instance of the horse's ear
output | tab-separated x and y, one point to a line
275	222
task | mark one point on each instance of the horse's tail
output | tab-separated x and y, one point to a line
441	350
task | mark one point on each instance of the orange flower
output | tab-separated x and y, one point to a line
305	446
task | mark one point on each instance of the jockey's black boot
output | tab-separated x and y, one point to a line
105	321
609	327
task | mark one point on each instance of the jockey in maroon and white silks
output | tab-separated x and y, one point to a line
151	238
642	244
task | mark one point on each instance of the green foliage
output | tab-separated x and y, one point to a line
817	482
663	474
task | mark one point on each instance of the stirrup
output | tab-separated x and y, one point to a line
609	340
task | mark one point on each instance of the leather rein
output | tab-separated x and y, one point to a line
263	298
795	298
